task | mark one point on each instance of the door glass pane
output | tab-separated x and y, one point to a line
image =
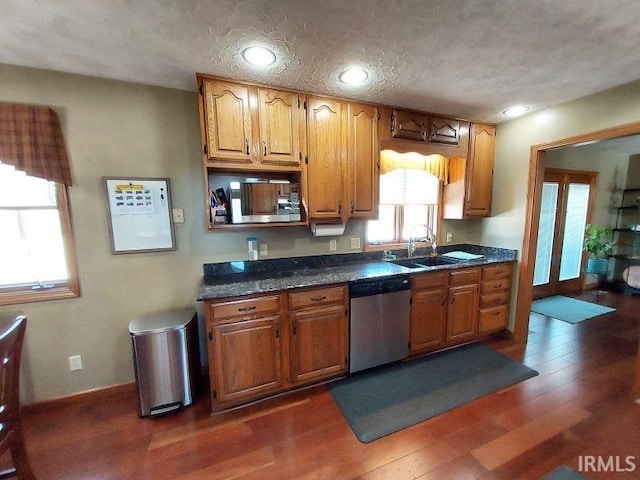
575	222
546	232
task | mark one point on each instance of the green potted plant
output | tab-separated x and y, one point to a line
597	242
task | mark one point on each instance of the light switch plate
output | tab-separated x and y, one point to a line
354	242
178	215
333	245
264	250
75	362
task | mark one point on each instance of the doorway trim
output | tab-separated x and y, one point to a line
534	192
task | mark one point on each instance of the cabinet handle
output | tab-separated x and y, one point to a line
353	206
495	314
247	309
453	300
265	148
246	142
444	299
498	272
339	207
424	131
277	330
318	299
295	327
497	286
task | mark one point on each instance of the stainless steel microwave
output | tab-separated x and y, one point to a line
264	202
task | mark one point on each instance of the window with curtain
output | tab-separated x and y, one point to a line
408	197
36	245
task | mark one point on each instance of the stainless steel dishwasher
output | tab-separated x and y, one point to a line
379	321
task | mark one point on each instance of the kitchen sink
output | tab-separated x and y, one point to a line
424	262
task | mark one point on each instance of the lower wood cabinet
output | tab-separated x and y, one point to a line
266	344
450	307
428	311
319	342
247	357
495	294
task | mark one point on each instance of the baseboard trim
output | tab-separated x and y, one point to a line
79	398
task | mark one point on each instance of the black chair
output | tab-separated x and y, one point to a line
12	328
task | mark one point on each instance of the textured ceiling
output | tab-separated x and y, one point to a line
469	58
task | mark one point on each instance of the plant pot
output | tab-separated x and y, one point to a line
598	266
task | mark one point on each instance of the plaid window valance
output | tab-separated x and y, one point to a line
31	140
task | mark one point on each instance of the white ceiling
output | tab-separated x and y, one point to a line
470	59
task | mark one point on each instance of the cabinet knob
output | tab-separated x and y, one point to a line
319	299
246	142
265	148
339	207
247	309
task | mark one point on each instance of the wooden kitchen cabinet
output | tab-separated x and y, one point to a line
444	130
319	334
409	125
262	345
470	187
428	311
327	144
249	127
363	163
247	357
495	294
227	123
463	303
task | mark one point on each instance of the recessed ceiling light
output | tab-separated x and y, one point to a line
515	110
354	76
259	56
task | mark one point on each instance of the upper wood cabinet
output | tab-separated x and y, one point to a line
469	191
279	127
250	127
327	142
227	126
363	160
444	130
409	125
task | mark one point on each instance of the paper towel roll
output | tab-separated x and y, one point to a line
327	229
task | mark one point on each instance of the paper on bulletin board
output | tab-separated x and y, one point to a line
139	214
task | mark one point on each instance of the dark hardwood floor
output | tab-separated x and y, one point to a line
582	403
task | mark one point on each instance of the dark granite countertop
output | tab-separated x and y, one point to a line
231	279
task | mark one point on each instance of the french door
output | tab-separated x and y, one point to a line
567	203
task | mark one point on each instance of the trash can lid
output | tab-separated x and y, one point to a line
162	321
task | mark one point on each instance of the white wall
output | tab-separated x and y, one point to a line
122	129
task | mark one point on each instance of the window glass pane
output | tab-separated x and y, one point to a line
546	231
575	223
406	186
19	190
414	215
383	229
31	247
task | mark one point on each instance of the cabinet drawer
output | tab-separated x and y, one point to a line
502	270
495	286
316	297
494	300
492	319
464	277
251	306
429	280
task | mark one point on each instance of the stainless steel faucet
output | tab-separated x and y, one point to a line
430	237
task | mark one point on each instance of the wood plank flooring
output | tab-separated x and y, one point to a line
582	403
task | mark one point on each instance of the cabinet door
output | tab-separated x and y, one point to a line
444	130
428	320
462	313
318	343
480	170
409	125
228	122
247	358
279	127
327	143
363	161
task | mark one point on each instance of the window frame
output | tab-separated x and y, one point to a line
70	288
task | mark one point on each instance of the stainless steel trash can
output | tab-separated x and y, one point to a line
166	360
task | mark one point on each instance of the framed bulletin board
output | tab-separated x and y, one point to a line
139	214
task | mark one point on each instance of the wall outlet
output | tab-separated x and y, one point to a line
333	245
264	250
449	237
75	362
354	242
178	215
